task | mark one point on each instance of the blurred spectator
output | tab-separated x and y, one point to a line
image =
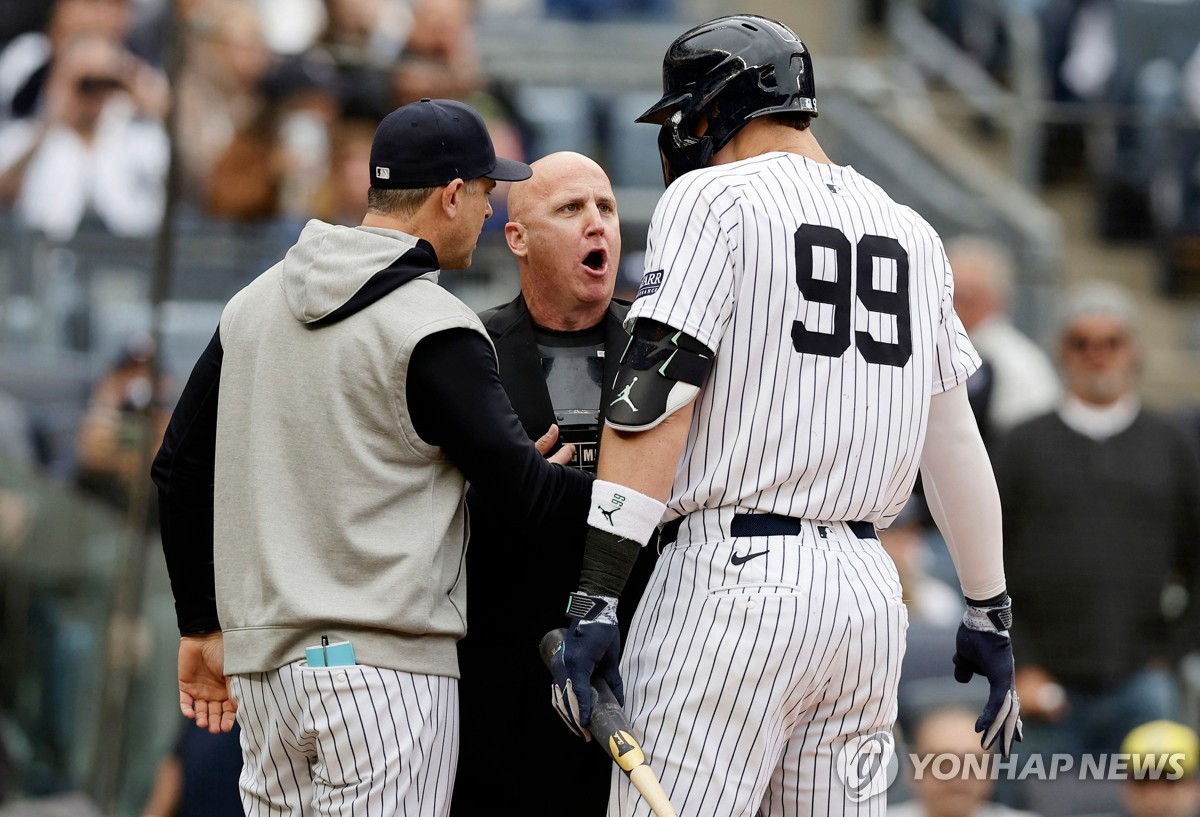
1102	513
505	129
1018	381
110	435
364	39
342	196
1063	146
1177	195
149	33
929	600
975	28
950	730
1191	83
366	31
440	58
95	147
306	109
26	62
391	52
1161	796
220	84
1091	50
199	778
275	163
1127	58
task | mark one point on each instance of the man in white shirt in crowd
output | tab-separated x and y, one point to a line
97	145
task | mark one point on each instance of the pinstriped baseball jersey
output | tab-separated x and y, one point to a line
830	309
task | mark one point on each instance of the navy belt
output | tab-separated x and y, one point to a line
762	524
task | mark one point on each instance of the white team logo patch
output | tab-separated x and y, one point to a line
867	765
383	172
651	281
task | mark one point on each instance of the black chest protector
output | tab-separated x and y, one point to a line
573	368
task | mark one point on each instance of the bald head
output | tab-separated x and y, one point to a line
548	173
564	231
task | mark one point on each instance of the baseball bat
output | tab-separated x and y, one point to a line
613	733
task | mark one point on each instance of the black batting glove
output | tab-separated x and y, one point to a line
591	645
983	647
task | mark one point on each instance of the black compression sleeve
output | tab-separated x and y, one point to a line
457	402
183	472
607	562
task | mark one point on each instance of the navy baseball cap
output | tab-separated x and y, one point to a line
433	142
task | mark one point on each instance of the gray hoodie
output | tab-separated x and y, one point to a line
332	516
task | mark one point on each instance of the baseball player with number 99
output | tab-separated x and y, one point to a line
795	360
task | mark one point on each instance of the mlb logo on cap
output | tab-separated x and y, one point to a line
383	173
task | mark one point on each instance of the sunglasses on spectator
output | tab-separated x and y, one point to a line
98	85
1081	343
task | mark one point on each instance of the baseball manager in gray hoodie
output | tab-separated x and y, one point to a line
312	486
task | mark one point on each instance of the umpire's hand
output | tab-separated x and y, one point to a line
985	648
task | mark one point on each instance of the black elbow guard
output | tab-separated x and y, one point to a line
661	371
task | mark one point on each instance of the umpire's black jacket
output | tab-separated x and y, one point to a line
517	586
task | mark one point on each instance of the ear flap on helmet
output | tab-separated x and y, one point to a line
681	152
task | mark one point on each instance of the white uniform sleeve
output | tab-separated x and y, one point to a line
961	491
691	270
955	359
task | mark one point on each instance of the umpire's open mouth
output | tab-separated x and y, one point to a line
596	260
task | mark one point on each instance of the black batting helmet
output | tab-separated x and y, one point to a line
731	69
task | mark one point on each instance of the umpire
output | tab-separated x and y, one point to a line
558	343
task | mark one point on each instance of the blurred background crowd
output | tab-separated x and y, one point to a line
157	155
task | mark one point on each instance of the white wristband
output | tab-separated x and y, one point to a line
624	511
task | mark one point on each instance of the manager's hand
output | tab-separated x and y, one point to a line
203	688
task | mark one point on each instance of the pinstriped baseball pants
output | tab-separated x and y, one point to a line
746	677
346	741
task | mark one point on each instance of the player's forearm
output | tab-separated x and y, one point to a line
646	461
634	479
961	491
